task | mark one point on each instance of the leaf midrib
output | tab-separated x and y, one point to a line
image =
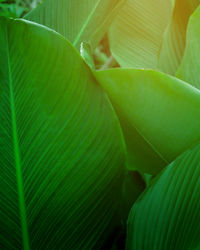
19	178
85	24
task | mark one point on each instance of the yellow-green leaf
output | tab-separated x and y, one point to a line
173	43
77	20
189	69
136	33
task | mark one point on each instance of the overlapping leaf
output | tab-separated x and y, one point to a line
62	151
136	33
77	20
159	114
167	215
173	44
189	69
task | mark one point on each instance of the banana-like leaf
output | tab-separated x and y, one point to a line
173	45
62	150
166	216
159	114
136	33
77	20
189	69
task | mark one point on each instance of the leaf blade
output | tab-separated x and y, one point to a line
77	21
159	114
189	67
173	44
169	208
136	33
67	161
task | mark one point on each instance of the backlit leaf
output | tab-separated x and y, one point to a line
136	33
189	69
77	20
173	44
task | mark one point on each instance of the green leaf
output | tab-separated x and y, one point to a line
136	34
189	69
62	151
166	216
159	114
77	21
173	44
133	185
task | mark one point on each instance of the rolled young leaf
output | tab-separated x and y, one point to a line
75	20
189	69
166	216
136	33
173	43
86	54
159	114
62	150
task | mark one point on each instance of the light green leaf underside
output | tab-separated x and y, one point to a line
159	114
62	151
173	43
75	20
167	215
136	33
189	69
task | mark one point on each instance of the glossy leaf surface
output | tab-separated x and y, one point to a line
136	33
62	151
78	21
159	114
167	215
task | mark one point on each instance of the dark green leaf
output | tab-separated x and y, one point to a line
62	151
167	215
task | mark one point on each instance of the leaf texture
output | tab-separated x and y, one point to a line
136	33
173	44
75	20
159	115
189	69
166	216
61	146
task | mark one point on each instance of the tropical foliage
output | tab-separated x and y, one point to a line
99	124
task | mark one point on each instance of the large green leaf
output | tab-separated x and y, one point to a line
167	215
159	114
75	20
173	44
189	69
62	150
136	33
